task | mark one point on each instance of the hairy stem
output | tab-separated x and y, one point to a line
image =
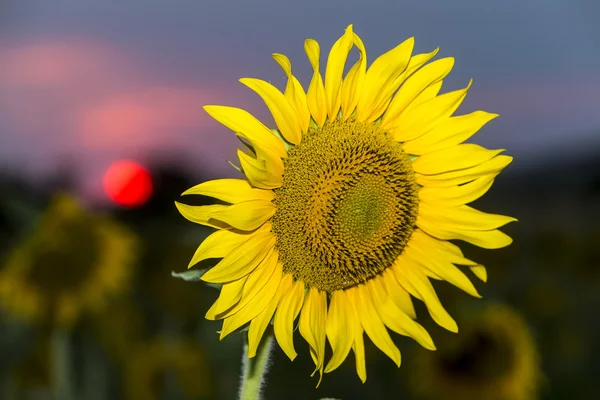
254	369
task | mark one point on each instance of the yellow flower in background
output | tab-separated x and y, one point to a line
347	207
70	264
159	366
494	357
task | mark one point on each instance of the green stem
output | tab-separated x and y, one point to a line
95	374
254	369
62	370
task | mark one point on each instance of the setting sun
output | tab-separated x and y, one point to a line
127	183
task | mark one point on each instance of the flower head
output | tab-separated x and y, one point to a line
70	264
495	357
347	207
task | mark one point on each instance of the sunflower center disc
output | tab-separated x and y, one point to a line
347	206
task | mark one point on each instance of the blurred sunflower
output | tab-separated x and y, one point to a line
494	357
70	264
161	365
347	207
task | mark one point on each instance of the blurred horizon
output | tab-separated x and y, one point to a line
87	83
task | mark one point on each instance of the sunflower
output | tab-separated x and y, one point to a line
179	364
348	206
494	358
70	264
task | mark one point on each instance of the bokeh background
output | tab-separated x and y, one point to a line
84	84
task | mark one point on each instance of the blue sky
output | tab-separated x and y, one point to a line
96	81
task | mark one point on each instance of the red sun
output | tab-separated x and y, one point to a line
127	183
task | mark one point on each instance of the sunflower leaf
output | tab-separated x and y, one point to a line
194	275
190	276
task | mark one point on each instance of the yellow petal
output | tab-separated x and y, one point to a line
427	94
294	92
211	314
493	239
462	176
339	318
393	317
230	191
334	71
352	85
457	195
245	124
398	294
245	216
480	272
422	118
441	248
425	77
440	267
406	284
262	320
313	319
448	133
316	98
381	81
273	163
218	244
286	314
359	351
257	305
406	271
371	322
283	113
453	158
242	260
231	293
257	280
416	62
462	218
201	214
258	174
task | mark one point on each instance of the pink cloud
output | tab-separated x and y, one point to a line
88	94
97	102
148	116
54	62
46	83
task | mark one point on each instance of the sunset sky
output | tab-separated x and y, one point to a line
97	81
